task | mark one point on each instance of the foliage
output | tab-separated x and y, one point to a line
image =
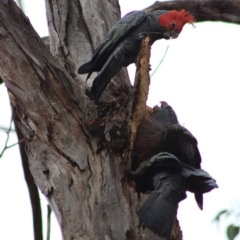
233	228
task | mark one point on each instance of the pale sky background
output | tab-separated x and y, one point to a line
199	78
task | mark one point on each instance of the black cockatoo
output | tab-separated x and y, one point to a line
168	179
122	43
161	132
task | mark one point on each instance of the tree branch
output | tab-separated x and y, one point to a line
5	129
6	142
49	211
31	186
6	146
161	61
70	166
204	10
141	88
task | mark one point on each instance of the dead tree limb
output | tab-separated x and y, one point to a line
204	10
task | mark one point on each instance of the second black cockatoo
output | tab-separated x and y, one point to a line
161	132
168	179
122	43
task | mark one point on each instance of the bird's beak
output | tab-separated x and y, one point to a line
167	35
174	34
170	34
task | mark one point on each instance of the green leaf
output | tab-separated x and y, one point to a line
217	218
232	231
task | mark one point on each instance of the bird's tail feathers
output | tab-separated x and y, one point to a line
199	182
99	84
158	214
85	68
110	68
159	211
199	200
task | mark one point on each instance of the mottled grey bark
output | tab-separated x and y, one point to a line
204	10
75	148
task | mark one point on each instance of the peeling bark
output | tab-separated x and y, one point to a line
75	148
141	88
72	166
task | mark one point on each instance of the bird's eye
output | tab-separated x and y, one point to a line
173	25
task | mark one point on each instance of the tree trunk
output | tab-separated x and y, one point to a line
75	148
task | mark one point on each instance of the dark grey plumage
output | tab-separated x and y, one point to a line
150	133
168	179
159	211
161	132
122	45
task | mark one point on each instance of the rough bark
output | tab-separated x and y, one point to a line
76	148
141	88
81	178
204	10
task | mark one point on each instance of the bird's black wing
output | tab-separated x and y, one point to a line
145	172
198	180
180	141
160	161
118	32
150	133
148	141
159	211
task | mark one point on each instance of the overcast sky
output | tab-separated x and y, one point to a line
199	78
